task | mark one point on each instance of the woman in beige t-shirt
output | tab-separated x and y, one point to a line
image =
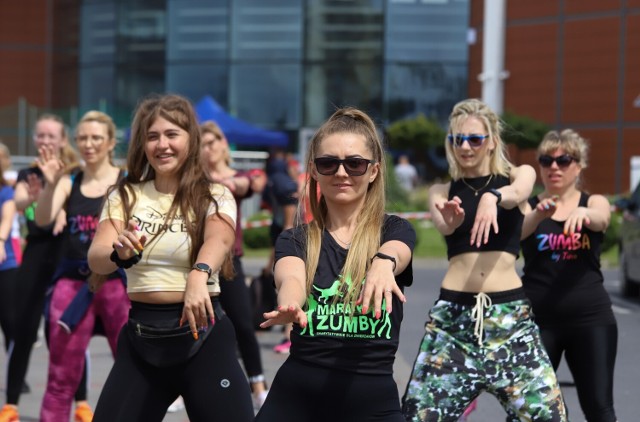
172	232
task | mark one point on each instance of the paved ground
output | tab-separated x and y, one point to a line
101	362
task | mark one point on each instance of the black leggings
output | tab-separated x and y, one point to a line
39	261
303	392
8	295
590	353
236	303
212	383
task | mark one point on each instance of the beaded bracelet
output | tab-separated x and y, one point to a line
124	263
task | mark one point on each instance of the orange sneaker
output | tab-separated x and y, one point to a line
83	413
9	413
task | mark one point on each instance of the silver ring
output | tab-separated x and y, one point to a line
387	291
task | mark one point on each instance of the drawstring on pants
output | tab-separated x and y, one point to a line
483	301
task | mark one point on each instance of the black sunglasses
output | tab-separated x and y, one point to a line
562	160
354	166
474	140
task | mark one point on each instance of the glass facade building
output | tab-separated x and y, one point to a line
279	64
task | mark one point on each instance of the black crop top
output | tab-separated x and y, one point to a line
509	221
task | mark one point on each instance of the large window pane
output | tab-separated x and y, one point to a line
96	86
266	95
337	85
195	80
424	31
344	30
136	82
432	89
198	29
97	33
142	32
267	30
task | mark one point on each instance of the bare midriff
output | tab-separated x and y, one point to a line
158	298
482	272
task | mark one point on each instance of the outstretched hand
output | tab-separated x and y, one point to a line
50	165
576	220
380	283
283	315
547	207
452	212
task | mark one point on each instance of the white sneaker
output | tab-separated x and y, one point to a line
258	399
176	406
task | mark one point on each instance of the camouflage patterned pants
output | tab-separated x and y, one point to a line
452	369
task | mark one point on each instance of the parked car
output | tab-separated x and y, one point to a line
630	243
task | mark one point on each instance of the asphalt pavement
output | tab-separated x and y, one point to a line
421	296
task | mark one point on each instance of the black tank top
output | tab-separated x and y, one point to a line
83	215
509	221
562	276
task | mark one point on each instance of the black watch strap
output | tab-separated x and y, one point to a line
385	256
497	193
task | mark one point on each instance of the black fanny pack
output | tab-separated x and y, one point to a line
164	343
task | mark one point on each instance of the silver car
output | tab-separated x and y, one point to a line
630	243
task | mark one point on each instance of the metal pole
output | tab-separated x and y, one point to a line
493	73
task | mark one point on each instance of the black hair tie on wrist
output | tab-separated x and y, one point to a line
124	263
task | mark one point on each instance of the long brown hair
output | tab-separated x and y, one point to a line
193	196
366	237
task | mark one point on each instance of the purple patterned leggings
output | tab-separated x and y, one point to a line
67	350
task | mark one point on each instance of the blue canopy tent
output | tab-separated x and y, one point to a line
237	131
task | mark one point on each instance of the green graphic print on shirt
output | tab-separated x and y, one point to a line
330	318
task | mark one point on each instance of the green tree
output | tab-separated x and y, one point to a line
415	133
523	131
423	139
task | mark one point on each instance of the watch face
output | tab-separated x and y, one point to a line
202	267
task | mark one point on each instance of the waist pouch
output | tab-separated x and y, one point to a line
164	343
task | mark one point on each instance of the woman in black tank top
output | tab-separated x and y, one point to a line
562	236
481	335
77	303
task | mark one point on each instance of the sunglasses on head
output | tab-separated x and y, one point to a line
474	140
354	166
562	160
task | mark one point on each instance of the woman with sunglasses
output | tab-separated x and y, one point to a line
339	278
562	237
481	335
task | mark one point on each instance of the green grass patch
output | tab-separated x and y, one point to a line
430	243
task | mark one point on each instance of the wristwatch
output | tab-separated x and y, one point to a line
199	266
385	256
497	193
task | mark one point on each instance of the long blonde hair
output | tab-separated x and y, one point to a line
366	237
105	119
499	161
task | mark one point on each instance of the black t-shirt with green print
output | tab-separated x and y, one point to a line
336	337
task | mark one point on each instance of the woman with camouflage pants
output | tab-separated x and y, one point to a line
481	335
